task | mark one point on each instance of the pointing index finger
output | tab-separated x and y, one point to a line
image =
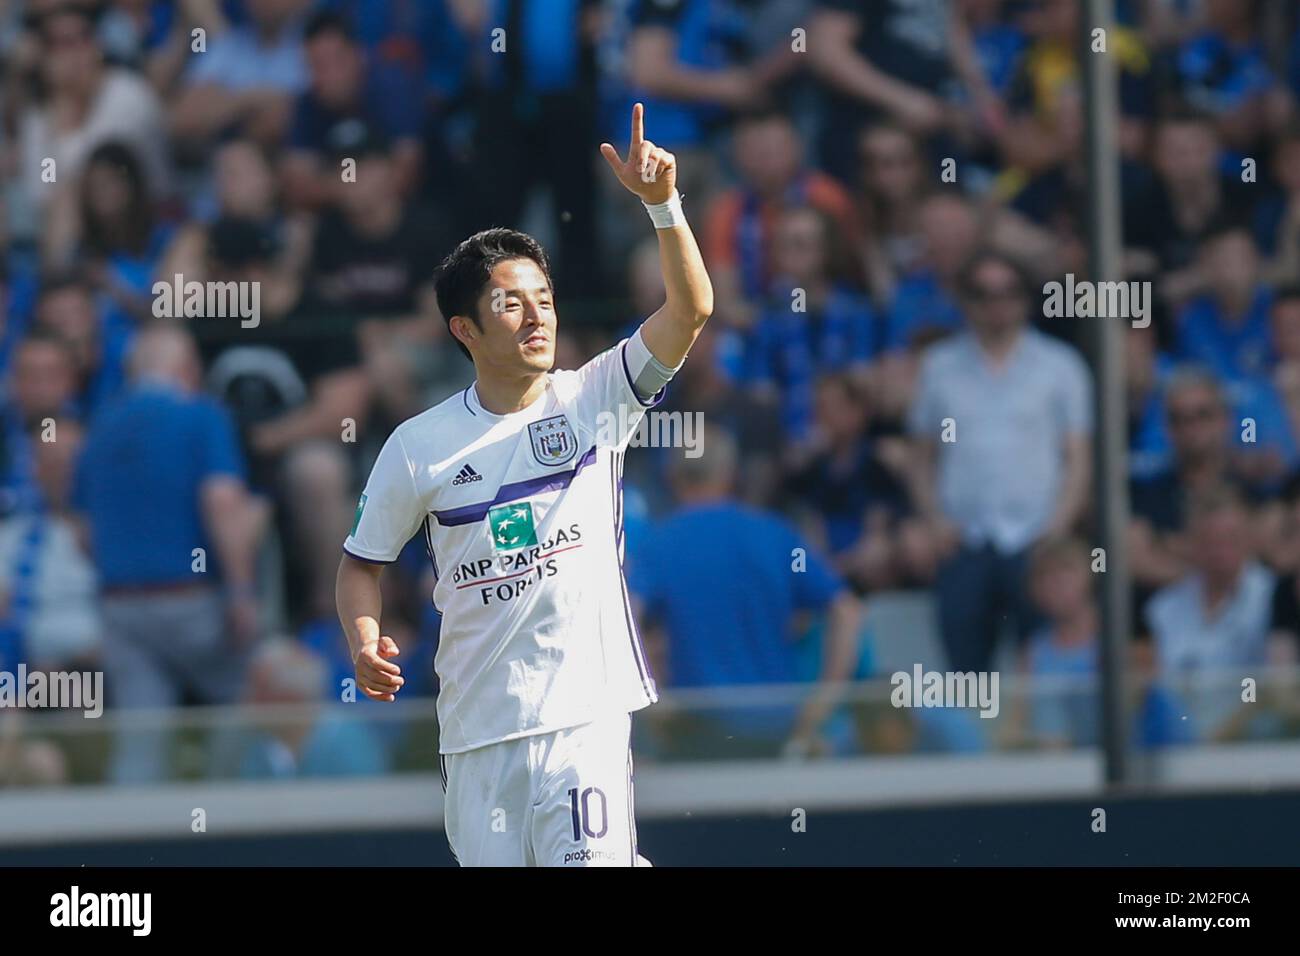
638	129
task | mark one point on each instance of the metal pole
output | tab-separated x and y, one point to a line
1105	248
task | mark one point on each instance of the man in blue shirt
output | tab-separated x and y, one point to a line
925	301
726	582
1227	329
347	87
172	532
834	329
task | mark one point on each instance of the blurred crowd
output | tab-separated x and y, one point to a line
881	189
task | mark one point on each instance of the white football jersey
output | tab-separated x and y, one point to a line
522	517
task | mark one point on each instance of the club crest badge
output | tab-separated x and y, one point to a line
553	440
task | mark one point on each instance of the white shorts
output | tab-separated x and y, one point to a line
556	799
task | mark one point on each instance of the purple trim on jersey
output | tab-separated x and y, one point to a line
468	514
367	560
465	396
618	504
428	546
655	399
638	651
631	810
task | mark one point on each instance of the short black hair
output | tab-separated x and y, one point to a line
981	258
1179	112
1227	223
43	335
65	279
468	269
768	113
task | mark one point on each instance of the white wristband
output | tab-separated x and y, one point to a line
665	215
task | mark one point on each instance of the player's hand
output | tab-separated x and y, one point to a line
377	676
648	172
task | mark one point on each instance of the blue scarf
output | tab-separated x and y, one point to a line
22	596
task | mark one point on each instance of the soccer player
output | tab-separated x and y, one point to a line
515	484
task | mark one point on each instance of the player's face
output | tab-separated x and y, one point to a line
517	313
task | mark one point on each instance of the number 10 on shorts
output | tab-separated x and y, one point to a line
580	808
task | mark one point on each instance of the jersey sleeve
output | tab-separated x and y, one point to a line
390	510
620	384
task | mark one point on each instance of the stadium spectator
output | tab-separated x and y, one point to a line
107	222
299	735
729	622
155	38
374	254
1284	327
84	103
67	308
703	389
1258	412
245	80
1002	423
851	488
1146	369
1215	620
1044	100
49	614
999	43
25	762
690	63
740	232
41	385
1189	197
535	119
1200	439
246	236
926	298
893	183
895	60
160	477
1223	71
1276	222
373	262
347	87
1226	329
1064	649
295	382
811	322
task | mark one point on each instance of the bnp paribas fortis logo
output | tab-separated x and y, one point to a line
512	526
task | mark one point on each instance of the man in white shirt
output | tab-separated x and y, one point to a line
1210	629
515	484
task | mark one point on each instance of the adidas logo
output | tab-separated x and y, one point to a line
467	474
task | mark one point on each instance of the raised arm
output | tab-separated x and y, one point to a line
650	173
